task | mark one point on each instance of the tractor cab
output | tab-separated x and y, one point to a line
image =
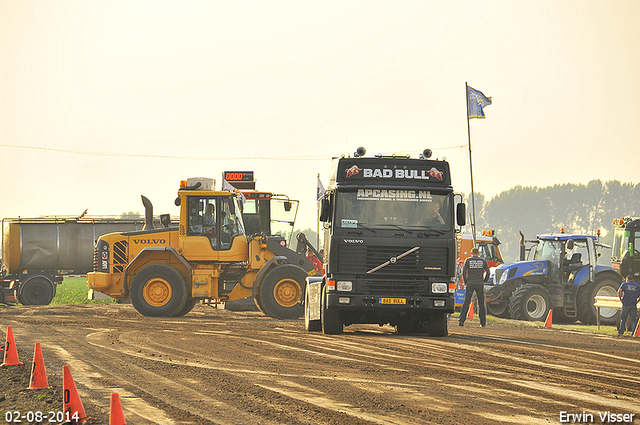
625	254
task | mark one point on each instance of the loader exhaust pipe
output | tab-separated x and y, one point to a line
522	248
148	213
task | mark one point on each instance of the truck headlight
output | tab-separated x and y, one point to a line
344	285
439	288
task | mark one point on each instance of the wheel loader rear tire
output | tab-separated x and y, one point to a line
280	292
159	290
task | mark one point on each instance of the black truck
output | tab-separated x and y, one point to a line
390	246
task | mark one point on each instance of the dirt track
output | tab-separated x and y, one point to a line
222	367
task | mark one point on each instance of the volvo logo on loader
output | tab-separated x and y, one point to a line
353	240
149	241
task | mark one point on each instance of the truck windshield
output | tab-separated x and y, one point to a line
391	208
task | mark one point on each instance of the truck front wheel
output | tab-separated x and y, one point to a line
280	292
331	320
159	290
36	291
309	325
530	302
438	324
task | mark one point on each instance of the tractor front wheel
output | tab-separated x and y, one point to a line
530	302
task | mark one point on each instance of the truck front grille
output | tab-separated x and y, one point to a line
422	263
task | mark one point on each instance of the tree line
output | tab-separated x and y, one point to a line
578	208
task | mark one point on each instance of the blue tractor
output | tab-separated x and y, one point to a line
561	274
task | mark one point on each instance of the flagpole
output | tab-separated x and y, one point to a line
318	222
473	201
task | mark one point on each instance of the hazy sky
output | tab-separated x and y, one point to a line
102	101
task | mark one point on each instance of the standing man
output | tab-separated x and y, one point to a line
629	294
475	273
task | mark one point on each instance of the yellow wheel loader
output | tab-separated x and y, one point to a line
166	271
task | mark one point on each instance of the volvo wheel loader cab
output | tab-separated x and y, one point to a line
625	253
207	257
562	275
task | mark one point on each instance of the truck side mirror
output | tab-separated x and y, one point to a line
461	214
232	208
570	244
325	209
287	206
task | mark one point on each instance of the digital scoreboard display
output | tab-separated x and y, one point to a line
240	179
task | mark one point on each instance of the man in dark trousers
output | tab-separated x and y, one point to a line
474	273
629	294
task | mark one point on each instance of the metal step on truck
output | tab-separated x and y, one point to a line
390	246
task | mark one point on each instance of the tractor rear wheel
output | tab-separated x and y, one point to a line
280	292
530	302
606	287
159	290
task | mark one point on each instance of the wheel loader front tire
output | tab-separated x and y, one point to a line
159	290
280	292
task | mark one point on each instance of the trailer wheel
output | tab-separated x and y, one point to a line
606	287
310	325
36	291
280	292
331	320
438	324
159	290
530	302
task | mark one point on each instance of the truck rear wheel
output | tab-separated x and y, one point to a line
36	291
331	320
530	302
438	324
587	312
280	292
310	325
159	290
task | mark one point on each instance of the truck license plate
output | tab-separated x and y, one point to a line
392	300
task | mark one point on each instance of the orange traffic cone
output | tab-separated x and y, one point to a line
38	372
116	415
470	312
73	408
548	322
10	352
637	332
